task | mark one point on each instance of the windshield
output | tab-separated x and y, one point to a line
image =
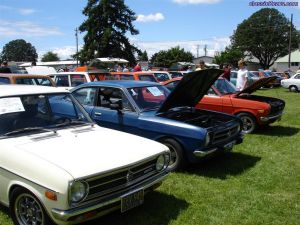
149	98
225	87
39	112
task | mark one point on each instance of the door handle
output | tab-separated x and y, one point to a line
98	114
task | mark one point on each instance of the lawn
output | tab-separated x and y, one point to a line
257	183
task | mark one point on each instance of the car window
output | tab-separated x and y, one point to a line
161	77
4	80
34	81
77	79
233	75
172	85
86	96
211	92
111	77
126	77
297	76
62	81
147	78
108	95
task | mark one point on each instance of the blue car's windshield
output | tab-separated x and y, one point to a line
42	111
149	97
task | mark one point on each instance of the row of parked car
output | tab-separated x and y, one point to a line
71	156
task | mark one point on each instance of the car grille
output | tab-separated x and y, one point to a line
221	136
120	181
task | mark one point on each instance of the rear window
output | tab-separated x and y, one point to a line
126	77
34	81
77	80
111	77
147	78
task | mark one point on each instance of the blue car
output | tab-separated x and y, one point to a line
152	111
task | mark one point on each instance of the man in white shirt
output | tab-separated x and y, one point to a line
242	76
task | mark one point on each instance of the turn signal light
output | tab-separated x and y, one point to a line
51	195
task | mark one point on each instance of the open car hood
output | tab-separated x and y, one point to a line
191	89
257	85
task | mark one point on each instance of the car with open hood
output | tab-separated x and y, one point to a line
57	165
149	109
254	110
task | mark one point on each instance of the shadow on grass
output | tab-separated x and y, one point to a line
277	131
221	166
158	208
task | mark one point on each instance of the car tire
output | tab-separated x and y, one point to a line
248	122
293	88
177	158
26	209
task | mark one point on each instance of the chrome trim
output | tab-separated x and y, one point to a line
267	118
201	154
64	215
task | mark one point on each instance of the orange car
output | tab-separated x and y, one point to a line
253	110
26	79
142	75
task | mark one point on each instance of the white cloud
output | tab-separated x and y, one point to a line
64	52
150	18
25	29
195	2
26	12
214	45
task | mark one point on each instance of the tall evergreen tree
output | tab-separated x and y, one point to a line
106	25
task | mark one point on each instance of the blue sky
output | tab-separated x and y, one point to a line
49	25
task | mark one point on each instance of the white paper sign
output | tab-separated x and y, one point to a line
11	105
155	91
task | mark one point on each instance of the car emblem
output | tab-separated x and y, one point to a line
229	133
129	176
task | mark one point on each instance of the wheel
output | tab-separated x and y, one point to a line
293	88
177	159
26	209
249	122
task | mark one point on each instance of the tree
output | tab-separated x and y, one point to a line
106	25
50	57
143	56
173	55
265	35
20	51
230	55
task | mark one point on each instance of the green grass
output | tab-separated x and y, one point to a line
257	183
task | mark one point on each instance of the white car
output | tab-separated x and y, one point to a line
293	83
57	165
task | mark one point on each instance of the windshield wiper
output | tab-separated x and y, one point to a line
73	122
28	129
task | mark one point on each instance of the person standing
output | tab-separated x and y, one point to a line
227	72
137	68
242	76
4	68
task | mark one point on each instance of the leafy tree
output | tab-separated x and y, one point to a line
20	51
50	57
106	25
173	55
265	35
230	55
143	56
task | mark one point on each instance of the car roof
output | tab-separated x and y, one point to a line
64	73
12	90
132	73
120	83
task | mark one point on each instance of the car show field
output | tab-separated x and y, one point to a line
257	183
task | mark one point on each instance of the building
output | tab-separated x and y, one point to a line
282	64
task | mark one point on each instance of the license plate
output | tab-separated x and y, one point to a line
229	145
132	200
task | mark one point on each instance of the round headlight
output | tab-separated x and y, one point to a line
160	163
207	139
78	191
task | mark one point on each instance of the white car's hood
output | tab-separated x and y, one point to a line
84	151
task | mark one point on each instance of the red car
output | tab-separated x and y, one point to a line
253	110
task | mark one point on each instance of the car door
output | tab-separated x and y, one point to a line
125	119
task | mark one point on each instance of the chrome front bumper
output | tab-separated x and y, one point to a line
226	147
80	214
268	118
